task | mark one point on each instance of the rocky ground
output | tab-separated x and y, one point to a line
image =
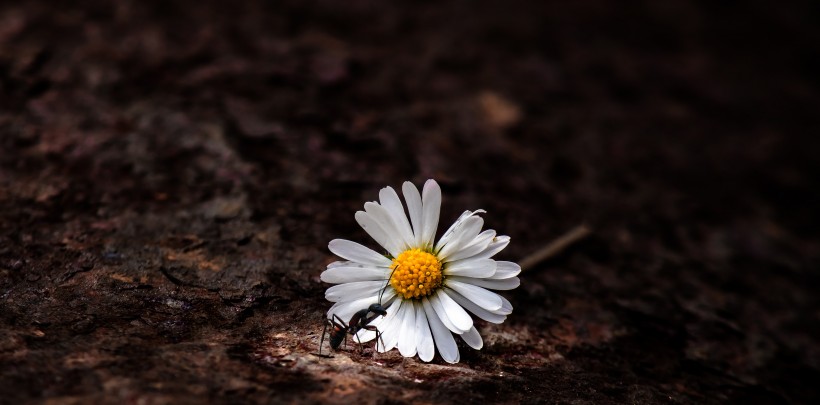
171	174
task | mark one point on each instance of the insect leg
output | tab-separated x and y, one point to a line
339	323
378	337
324	330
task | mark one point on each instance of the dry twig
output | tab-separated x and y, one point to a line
555	247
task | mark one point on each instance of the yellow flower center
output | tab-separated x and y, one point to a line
416	275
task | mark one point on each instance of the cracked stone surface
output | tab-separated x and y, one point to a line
170	175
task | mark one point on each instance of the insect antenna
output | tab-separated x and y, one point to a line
381	294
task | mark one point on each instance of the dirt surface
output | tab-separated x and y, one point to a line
170	176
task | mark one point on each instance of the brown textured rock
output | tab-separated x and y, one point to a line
171	173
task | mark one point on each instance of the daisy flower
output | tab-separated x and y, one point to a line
427	287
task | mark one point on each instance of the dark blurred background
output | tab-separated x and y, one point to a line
171	173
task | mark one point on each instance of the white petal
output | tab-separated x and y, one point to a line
441	313
475	268
353	291
364	336
445	343
407	337
445	237
413	199
506	307
391	202
346	309
485	237
458	316
431	208
468	230
505	284
498	244
374	229
340	263
473	338
485	299
390	327
357	253
476	246
386	297
456	226
424	340
354	272
386	222
475	309
506	270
